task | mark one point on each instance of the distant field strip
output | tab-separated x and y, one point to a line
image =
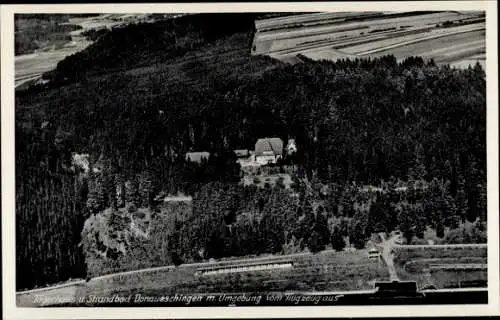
287	36
387	21
431	37
308	18
454	49
427	46
25	79
447	37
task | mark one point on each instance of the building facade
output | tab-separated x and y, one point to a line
268	150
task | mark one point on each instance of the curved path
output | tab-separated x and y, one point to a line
387	245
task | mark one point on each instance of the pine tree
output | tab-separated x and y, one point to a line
420	223
101	192
440	229
305	222
379	215
338	242
347	203
315	242
461	199
433	203
92	202
357	235
321	228
405	217
145	187
448	171
419	170
449	209
482	204
473	181
120	190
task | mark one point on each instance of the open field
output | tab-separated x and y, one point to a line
442	266
324	271
447	37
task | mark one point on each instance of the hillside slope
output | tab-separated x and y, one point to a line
108	93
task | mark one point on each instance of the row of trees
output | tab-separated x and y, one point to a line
227	219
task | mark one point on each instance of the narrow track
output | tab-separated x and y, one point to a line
388	257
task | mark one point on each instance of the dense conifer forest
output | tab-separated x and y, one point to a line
142	96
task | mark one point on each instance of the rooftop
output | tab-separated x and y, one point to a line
274	145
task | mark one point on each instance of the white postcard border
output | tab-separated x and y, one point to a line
8	167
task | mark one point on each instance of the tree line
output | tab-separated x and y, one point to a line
226	219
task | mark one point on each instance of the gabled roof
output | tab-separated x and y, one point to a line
197	156
274	145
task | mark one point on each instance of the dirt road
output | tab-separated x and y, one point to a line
387	245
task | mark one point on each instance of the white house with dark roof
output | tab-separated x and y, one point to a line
268	150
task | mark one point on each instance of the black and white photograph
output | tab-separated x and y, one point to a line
261	158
